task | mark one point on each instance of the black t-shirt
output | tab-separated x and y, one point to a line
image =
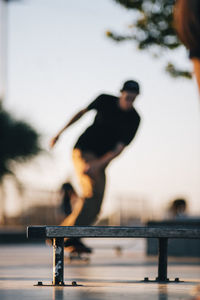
112	125
194	26
194	53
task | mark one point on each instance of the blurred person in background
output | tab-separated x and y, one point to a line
114	127
187	24
177	209
66	192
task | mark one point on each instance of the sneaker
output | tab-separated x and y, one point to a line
75	245
83	247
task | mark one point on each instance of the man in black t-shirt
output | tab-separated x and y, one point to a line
114	127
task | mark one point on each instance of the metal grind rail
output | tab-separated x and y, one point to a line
58	233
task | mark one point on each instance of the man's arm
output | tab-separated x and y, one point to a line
103	161
196	63
72	121
106	158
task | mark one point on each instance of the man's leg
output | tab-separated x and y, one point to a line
85	208
92	188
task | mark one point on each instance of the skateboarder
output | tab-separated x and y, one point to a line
114	127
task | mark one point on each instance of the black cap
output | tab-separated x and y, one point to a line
131	86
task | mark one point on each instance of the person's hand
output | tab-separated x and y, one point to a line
118	149
91	168
53	141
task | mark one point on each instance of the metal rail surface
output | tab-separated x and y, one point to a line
58	233
111	232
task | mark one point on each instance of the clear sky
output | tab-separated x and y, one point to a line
60	59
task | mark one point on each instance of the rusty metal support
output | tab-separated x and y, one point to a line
162	260
58	261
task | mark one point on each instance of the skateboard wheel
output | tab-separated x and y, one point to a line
74	283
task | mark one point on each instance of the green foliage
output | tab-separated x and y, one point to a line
175	72
152	26
18	140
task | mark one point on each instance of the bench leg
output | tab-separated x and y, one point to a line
58	261
162	260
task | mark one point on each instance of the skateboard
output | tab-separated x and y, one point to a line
77	254
72	254
77	257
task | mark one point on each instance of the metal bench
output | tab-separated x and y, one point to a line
58	233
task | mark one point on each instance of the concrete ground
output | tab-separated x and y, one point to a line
110	274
